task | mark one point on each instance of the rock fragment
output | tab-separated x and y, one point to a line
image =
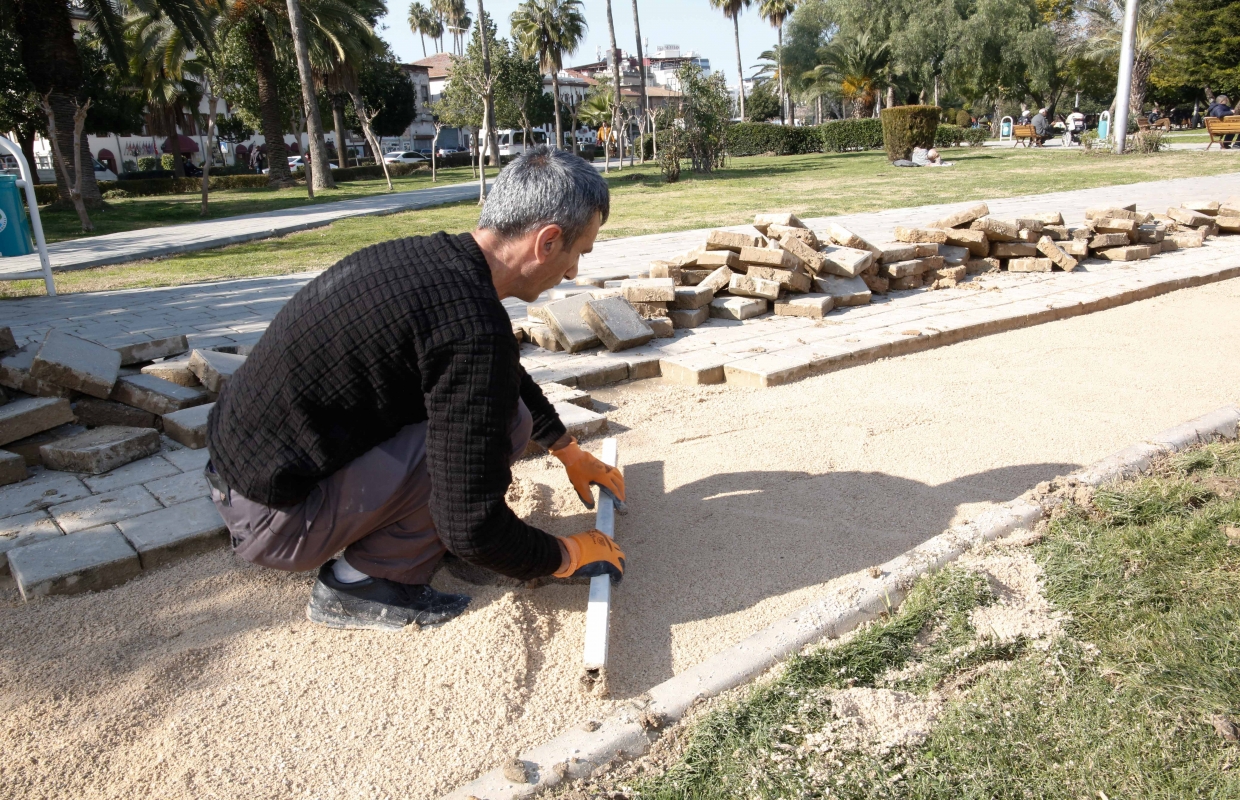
616	323
31	415
188	426
100	450
150	350
213	368
75	363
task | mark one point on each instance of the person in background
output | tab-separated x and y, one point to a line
1074	126
1220	108
1155	114
1023	119
1041	128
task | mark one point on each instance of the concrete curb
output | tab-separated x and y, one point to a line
855	599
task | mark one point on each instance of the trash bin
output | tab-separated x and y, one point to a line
14	229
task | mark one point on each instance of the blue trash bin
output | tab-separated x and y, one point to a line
14	229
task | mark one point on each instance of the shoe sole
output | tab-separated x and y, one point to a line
347	623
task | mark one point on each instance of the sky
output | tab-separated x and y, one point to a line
692	24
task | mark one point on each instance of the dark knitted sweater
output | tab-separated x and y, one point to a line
397	333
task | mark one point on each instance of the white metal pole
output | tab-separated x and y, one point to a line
32	205
598	611
1123	88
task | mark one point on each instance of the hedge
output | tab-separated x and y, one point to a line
45	193
906	127
955	136
851	134
756	138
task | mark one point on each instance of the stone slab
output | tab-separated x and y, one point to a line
1048	248
719	258
31	415
87	561
933	235
187	459
996	230
976	242
616	323
844	291
891	252
694	369
1104	240
809	258
746	286
768	257
176	371
173	533
188	426
12	468
847	238
813	306
101	449
93	413
41	490
30	448
1013	250
689	298
559	393
689	318
22	530
649	290
1030	265
786	218
977	266
75	363
570	329
213	369
793	280
718	280
738	308
845	262
141	471
580	422
90	512
1188	217
962	217
15	374
727	240
954	256
7	340
1134	252
152	349
663	327
803	234
158	396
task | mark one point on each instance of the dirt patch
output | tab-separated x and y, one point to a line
876	721
1020	610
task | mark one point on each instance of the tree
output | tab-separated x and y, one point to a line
732	10
706	108
643	109
856	64
615	106
387	89
421	21
1151	42
548	30
167	75
776	12
763	104
318	172
19	104
1205	45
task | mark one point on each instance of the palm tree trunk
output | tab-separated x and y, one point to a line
488	105
342	147
74	184
644	105
206	161
555	101
322	174
740	69
573	132
1141	69
780	64
423	37
615	76
264	54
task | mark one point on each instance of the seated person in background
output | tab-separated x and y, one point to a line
1023	119
1221	107
1155	114
1074	126
1041	128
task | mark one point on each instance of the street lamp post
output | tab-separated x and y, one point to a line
1123	88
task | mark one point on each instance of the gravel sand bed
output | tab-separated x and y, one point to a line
205	680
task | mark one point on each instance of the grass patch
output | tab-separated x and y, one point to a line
812	185
1122	703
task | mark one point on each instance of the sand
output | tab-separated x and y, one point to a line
205	680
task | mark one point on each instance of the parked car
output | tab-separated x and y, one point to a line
297	164
447	151
405	157
102	173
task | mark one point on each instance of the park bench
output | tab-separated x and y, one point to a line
1024	134
1218	128
1163	124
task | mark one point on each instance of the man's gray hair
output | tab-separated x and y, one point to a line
545	186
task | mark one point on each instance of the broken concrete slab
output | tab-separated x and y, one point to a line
962	217
213	368
763	221
172	533
616	323
738	308
718	280
954	256
689	318
189	426
94	413
845	262
152	349
890	252
793	280
1048	248
7	340
663	327
12	468
88	561
99	450
813	306
1132	252
996	230
846	238
978	266
745	286
175	371
691	297
1104	240
810	258
933	235
1188	217
649	290
727	240
158	396
1030	265
719	258
843	291
580	422
31	415
1013	250
768	257
75	363
89	512
976	241
15	374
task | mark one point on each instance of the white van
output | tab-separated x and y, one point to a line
512	142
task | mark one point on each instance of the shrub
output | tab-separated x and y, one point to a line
948	136
976	137
146	175
906	127
116	194
149	187
851	134
756	138
963	119
45	193
148	163
167	161
1150	141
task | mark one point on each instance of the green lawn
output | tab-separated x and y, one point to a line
1137	695
812	185
147	212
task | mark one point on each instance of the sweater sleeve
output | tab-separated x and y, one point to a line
547	425
471	387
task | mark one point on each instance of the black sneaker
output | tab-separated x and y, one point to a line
378	604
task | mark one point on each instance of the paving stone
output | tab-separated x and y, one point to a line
93	413
727	240
580	422
690	297
559	393
12	468
805	235
1030	265
925	249
1150	234
976	241
175	371
1115	212
900	269
29	448
101	449
739	308
814	306
1013	250
954	256
544	337
746	286
845	262
188	426
891	252
809	258
170	534
22	530
7	342
1048	218
649	290
15	374
977	266
88	561
953	274
214	368
904	234
77	364
907	282
102	509
42	489
768	257
1077	248
663	327
644	310
141	471
1132	252
767	369
31	415
694	277
570	329
694	369
843	291
616	323
764	221
1056	232
793	280
846	238
1188	217
1104	240
188	459
718	280
156	395
876	283
182	488
719	258
962	217
152	349
1183	239
689	318
1228	224
664	269
1048	248
996	230
562	291
1128	227
1031	224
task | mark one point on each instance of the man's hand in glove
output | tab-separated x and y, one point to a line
592	553
584	469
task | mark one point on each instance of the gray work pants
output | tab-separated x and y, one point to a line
376	508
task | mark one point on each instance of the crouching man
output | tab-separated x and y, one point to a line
381	411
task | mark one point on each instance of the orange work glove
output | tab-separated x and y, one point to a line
584	469
592	553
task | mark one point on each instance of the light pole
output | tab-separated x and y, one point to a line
1123	88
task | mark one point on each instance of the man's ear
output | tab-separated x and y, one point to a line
547	241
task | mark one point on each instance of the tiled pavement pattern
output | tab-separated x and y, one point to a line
149	511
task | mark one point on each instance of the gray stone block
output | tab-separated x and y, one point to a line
691	297
23	530
570	329
31	415
91	512
41	490
663	327
747	286
187	459
738	308
84	562
30	447
94	413
152	349
77	364
189	426
7	342
649	290
12	468
846	262
689	318
100	450
156	395
580	422
954	256
213	368
559	393
176	371
143	470
15	374
177	489
616	323
173	533
814	306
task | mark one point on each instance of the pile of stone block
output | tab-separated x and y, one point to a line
78	406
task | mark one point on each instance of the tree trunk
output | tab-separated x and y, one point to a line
891	97
482	157
644	105
209	157
994	125
63	110
264	55
615	77
307	168
342	146
780	66
555	101
435	151
178	156
1141	69
740	69
25	140
359	108
573	132
322	175
75	182
488	100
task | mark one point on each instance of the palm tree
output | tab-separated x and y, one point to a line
168	77
776	12
732	10
318	170
856	65
1152	40
547	30
643	109
420	21
615	107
